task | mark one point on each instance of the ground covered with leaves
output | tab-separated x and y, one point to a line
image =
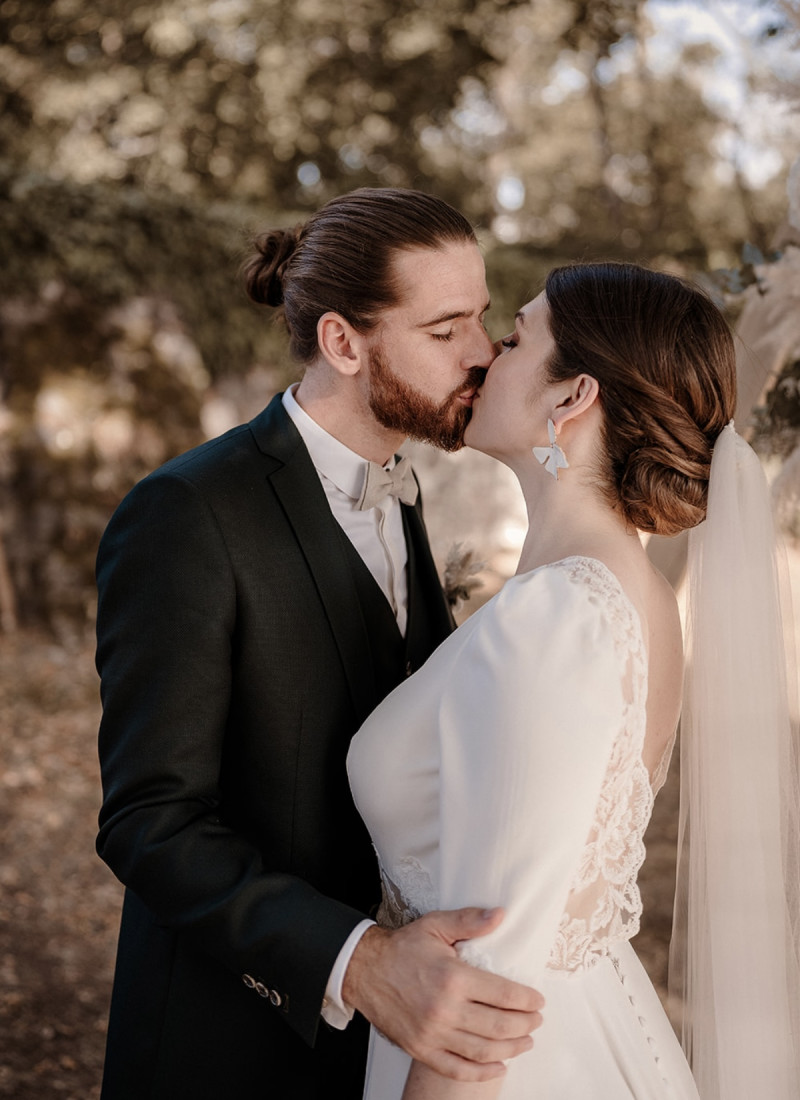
59	905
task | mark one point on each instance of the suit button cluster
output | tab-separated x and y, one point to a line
275	998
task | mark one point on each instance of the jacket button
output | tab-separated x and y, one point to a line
262	990
249	981
275	998
409	668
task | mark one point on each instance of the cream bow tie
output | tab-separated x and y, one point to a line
380	483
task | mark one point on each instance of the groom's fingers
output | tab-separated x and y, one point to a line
458	1020
449	1064
482	1051
500	1025
503	996
463	924
490	989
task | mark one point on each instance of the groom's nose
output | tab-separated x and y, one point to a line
484	352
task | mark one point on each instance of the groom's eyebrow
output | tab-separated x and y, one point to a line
452	315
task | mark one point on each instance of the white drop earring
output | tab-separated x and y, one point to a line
552	458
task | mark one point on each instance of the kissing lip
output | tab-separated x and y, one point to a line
476	377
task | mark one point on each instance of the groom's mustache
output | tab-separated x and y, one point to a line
473	381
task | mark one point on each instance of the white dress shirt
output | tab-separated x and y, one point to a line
377	534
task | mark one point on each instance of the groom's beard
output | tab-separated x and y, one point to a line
398	406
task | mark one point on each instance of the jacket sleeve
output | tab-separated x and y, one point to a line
166	633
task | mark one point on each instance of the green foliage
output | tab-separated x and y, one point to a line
768	284
735	280
140	145
286	102
233	98
108	244
777	420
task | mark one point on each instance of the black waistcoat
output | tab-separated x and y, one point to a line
429	621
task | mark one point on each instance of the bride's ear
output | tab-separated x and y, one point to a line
580	395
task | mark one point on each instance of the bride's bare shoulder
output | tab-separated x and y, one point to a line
663	614
653	598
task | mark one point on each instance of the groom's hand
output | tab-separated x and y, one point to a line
460	1021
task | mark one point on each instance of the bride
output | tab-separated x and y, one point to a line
518	767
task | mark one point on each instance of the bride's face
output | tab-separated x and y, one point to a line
509	415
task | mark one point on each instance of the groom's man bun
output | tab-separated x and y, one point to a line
340	260
664	358
263	272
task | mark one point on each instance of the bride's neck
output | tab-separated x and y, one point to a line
568	517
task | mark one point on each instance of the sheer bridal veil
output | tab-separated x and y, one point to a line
736	939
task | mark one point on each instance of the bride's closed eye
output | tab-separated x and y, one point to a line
508	342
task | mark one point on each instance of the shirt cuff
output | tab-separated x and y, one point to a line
334	1011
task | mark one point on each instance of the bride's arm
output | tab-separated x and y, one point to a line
425	1084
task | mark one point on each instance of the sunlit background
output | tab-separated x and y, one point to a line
142	143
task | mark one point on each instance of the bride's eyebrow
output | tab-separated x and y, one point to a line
520	316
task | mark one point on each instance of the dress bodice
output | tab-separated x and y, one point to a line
508	771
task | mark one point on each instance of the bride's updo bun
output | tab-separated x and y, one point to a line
663	492
264	271
340	261
664	359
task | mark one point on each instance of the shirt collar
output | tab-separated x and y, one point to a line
331	457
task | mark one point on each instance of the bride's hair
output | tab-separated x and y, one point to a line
664	359
340	260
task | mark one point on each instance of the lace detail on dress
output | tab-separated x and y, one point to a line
604	905
409	897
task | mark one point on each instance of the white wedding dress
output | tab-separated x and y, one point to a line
508	771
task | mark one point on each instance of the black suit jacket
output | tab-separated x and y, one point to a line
235	665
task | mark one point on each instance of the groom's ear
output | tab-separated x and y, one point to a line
580	394
339	342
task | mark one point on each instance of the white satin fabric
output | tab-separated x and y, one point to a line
508	771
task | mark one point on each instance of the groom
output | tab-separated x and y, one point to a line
257	598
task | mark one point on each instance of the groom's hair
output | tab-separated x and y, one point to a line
340	260
664	359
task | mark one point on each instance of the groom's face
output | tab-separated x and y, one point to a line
430	351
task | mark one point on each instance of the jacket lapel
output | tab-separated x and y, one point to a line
424	582
319	538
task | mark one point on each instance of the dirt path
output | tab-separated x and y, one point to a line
58	904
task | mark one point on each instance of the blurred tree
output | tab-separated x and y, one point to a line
116	316
608	152
284	102
137	140
540	119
